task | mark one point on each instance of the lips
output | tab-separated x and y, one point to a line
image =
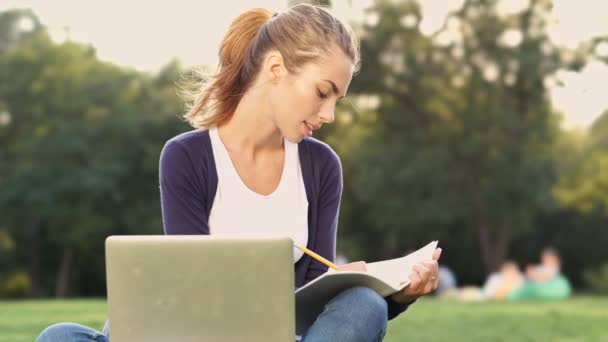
312	127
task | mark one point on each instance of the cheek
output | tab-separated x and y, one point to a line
305	104
296	103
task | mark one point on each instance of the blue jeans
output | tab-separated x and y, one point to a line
356	315
72	332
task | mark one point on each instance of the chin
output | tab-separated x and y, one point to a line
292	135
294	138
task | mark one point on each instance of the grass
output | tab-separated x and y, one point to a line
22	321
577	319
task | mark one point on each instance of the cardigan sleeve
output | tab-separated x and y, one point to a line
394	308
182	192
329	198
330	194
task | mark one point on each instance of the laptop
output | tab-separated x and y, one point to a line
200	288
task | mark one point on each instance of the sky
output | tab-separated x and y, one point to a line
147	34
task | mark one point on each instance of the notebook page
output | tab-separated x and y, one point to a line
395	272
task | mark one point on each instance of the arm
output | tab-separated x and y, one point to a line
183	200
329	204
330	194
395	308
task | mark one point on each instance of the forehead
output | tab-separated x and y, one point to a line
334	66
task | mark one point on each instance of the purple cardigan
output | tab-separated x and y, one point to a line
188	182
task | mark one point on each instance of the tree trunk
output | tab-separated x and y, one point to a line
63	276
494	249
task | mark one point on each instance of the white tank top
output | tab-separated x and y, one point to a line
239	211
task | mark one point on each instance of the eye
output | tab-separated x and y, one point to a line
321	94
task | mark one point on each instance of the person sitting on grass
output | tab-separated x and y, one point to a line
498	285
250	167
544	281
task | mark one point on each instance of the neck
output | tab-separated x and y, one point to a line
251	129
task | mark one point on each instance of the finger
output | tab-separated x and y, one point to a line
434	267
423	271
427	281
429	277
430	287
434	282
354	266
437	253
415	283
359	266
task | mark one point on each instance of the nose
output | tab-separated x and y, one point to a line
327	114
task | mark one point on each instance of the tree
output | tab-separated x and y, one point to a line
82	150
459	141
584	185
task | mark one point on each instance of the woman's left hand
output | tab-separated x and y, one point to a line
423	281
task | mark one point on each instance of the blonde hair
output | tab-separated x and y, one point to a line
302	34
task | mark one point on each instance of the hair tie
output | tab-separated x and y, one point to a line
275	14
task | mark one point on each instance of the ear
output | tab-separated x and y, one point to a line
274	66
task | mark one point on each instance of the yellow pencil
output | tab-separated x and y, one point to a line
317	257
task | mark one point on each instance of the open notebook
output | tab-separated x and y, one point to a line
385	277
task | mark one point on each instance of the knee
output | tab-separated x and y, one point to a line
62	332
370	304
55	332
356	314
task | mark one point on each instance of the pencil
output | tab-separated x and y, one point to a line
317	257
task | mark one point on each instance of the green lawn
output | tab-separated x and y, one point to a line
579	319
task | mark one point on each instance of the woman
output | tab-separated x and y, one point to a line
252	168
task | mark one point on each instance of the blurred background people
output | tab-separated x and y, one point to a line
545	280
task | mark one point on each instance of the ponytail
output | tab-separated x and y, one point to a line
238	57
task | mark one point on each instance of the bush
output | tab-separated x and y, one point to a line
598	278
15	285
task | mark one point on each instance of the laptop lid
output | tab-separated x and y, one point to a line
200	288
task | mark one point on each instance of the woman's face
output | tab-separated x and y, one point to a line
302	102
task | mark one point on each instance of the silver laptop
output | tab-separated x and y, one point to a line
200	288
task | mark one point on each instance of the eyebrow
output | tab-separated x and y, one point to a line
334	88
